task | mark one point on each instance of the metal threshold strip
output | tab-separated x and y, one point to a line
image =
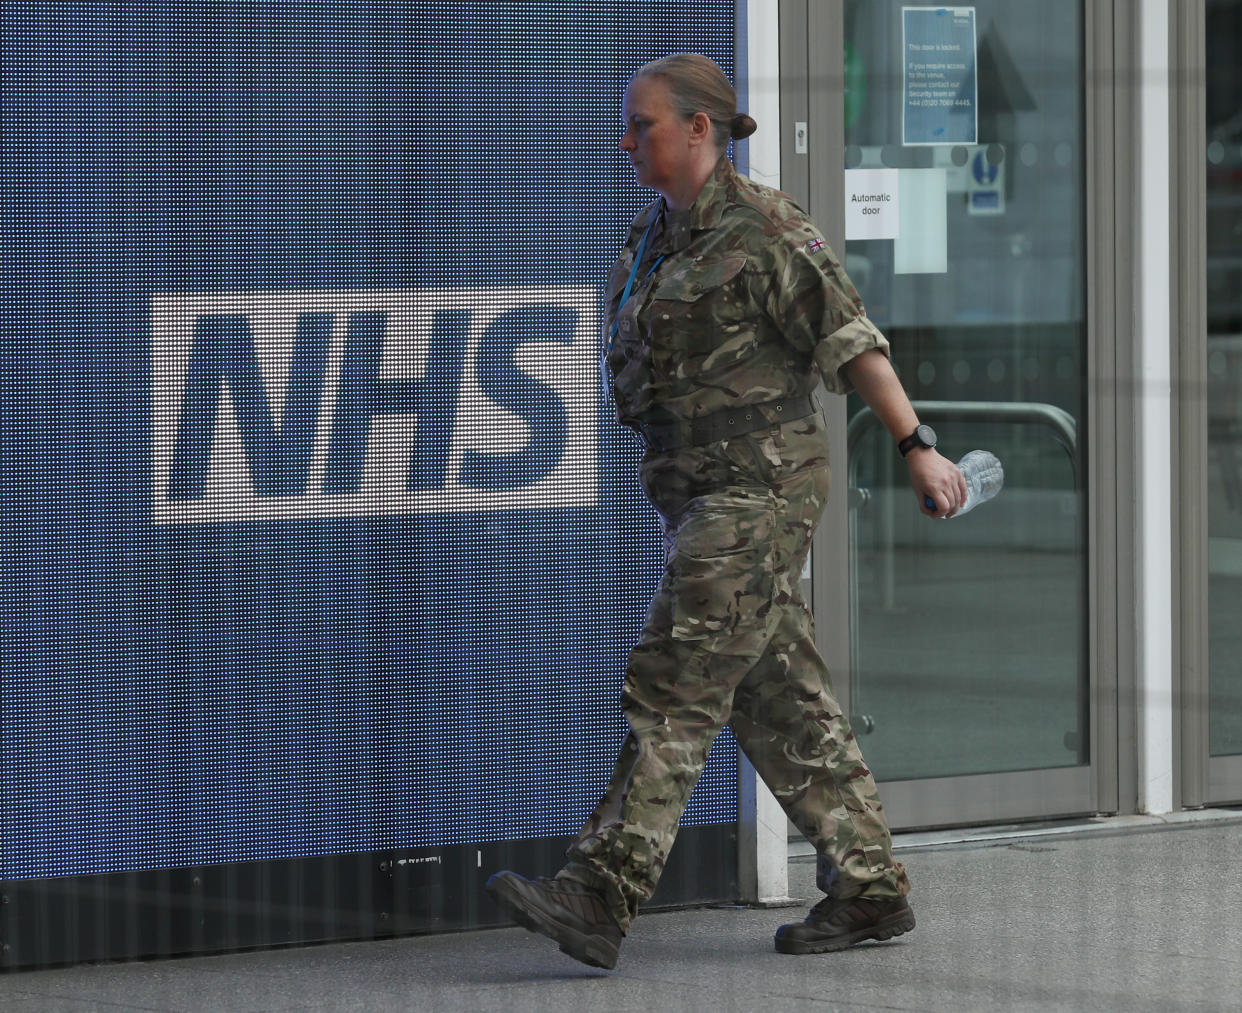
1000	834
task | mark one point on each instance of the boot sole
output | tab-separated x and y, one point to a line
896	924
589	948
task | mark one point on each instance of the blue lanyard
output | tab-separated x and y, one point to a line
625	295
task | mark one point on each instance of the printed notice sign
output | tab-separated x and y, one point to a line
872	204
940	101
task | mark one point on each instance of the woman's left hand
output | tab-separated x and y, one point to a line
936	480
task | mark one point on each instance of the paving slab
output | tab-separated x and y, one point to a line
1132	914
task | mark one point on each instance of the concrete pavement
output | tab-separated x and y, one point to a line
1126	914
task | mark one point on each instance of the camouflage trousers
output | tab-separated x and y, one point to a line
728	640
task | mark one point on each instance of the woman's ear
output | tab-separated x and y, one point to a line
700	128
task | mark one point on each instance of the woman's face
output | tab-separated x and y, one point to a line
656	138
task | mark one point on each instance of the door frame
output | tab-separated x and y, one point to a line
1205	779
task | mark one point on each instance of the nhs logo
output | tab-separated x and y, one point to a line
305	404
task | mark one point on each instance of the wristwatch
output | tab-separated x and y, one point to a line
923	436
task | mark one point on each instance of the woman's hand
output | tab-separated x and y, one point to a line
936	480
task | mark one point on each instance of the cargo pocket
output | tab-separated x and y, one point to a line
720	575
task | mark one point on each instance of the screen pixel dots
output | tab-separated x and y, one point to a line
317	534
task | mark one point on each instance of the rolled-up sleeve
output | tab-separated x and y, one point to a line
816	307
842	346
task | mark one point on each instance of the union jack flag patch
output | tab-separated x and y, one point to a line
815	245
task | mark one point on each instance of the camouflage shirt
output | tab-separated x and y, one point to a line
738	300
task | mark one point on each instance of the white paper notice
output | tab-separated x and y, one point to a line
923	246
872	204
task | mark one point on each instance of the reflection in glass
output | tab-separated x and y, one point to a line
1224	379
970	634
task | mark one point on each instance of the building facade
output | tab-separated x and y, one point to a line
1055	257
322	551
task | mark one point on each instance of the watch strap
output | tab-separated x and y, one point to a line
918	439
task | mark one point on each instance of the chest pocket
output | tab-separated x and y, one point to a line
698	279
700	318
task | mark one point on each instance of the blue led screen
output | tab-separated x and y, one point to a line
316	534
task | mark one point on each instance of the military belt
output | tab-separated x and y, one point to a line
723	424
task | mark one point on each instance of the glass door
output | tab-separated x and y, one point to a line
966	234
1224	396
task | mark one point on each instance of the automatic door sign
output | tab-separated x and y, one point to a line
940	102
872	204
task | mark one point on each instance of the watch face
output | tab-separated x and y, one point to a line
926	436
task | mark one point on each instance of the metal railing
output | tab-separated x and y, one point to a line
1057	421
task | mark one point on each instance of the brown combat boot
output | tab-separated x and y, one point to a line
574	915
835	924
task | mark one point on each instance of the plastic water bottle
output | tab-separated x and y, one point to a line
984	477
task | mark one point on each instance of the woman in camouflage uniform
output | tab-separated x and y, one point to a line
724	310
